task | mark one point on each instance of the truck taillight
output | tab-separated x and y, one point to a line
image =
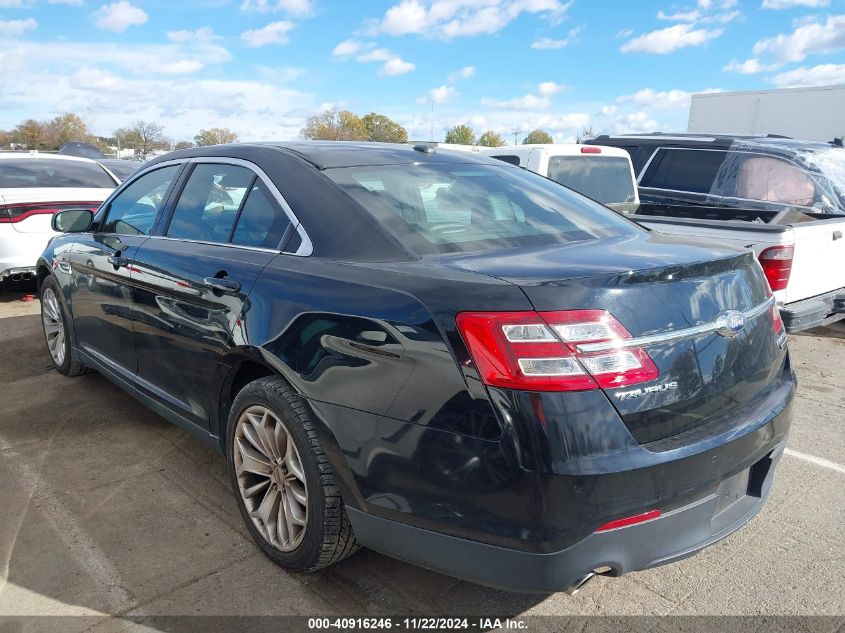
777	265
590	149
538	351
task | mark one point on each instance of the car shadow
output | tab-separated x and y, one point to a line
110	509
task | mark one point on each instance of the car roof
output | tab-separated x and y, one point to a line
556	149
331	154
36	155
705	140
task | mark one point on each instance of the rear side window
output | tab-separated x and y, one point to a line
52	172
605	179
260	223
690	170
133	210
208	205
440	208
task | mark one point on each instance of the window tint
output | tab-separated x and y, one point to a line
52	172
684	170
454	207
209	203
261	222
134	209
508	158
605	179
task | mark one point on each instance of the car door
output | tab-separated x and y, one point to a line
101	262
194	278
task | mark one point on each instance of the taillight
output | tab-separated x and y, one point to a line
590	149
539	350
777	322
777	265
639	518
17	212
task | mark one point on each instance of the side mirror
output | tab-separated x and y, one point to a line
72	220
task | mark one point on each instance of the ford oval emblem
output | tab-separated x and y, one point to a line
730	323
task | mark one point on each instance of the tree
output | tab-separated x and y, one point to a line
30	133
66	128
460	135
491	139
215	136
5	138
537	137
381	129
335	125
184	145
587	132
142	136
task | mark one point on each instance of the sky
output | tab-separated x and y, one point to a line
261	67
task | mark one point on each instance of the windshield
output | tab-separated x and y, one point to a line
605	179
467	207
52	172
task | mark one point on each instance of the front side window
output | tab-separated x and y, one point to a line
468	207
605	179
208	205
133	210
53	172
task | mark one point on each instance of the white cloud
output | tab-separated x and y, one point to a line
821	75
11	29
748	67
547	43
550	88
119	16
664	41
71	3
652	99
447	19
376	55
527	102
273	33
789	4
16	4
299	8
346	48
441	94
680	16
397	66
464	73
808	39
204	34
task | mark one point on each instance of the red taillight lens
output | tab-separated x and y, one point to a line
777	322
639	518
539	351
590	149
18	212
777	265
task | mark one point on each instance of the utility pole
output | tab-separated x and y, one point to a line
515	132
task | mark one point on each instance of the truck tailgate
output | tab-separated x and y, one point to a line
818	265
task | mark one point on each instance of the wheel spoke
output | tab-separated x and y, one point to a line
297	490
292	462
294	511
284	535
252	461
51	327
252	436
268	434
268	507
254	490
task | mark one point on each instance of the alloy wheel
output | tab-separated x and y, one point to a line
54	326
271	480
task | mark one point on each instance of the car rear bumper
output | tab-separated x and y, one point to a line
19	252
673	536
815	311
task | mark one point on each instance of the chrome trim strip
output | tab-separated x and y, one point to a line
673	335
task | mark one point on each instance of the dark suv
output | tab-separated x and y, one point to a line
436	355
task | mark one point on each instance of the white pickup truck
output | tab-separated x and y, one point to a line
783	199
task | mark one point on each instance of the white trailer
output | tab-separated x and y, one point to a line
813	114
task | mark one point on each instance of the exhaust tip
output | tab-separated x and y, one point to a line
16	277
579	584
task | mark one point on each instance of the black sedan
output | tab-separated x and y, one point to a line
435	355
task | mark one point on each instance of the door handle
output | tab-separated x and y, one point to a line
222	285
117	261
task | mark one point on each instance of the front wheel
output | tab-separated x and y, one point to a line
283	483
55	323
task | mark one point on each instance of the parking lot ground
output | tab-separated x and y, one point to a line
107	509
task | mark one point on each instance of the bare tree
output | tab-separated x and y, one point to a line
142	136
215	136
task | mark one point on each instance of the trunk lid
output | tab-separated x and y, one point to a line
657	285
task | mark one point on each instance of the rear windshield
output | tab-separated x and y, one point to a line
51	172
604	179
468	207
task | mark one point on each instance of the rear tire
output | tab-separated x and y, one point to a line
56	326
284	486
